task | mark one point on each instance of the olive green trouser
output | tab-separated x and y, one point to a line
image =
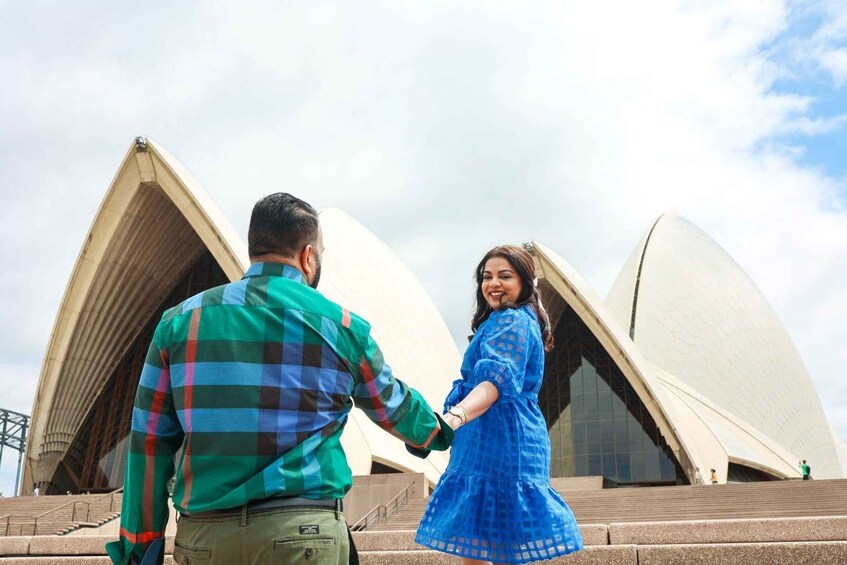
283	535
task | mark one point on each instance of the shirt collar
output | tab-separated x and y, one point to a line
274	270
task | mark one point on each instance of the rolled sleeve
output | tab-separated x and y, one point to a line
394	406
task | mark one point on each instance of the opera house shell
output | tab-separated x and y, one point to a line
158	239
684	366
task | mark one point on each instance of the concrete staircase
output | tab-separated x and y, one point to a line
60	514
778	499
787	522
819	541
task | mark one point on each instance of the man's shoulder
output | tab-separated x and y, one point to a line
279	293
341	315
209	297
297	296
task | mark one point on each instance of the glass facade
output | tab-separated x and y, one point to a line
598	426
96	460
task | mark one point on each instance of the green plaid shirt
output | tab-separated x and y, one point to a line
254	380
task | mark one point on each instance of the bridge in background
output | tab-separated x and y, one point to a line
13	428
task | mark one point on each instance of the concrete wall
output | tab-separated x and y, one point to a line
576	483
370	491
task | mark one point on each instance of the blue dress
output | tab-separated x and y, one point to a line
494	502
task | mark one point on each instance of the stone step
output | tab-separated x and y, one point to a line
404	540
592	555
819	553
655	533
833	528
733	501
789	553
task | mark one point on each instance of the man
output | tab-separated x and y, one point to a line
806	470
254	380
714	476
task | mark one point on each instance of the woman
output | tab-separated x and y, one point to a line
494	502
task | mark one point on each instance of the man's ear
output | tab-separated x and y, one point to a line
305	266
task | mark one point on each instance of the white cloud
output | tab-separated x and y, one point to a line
826	48
444	127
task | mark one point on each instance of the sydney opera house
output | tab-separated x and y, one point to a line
684	366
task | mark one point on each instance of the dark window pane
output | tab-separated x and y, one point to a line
594	465
597	422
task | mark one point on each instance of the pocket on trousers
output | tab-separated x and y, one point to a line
305	549
185	555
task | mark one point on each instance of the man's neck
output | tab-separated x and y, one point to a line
275	258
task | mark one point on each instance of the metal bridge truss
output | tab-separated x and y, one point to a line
13	428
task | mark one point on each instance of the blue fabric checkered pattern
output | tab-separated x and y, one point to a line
494	501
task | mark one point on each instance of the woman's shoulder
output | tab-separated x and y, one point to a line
518	317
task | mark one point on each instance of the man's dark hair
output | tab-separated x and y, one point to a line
283	224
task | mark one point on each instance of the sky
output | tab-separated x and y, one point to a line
445	128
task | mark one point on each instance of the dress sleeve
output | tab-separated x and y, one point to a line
504	351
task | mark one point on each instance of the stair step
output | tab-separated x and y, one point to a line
675	503
594	555
819	553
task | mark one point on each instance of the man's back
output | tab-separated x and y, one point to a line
253	381
261	383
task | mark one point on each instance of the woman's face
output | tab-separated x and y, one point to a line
500	283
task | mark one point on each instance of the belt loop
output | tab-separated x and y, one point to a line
243	515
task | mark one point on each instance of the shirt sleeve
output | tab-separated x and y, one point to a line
504	351
155	437
394	406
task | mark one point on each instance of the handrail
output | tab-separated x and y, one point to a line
395	502
110	495
46	512
7	516
365	520
56	508
382	510
73	504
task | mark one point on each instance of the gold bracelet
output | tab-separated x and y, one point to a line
462	415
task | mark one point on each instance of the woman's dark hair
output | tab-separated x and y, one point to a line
522	262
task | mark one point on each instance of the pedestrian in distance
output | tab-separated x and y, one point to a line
254	381
494	502
714	477
806	470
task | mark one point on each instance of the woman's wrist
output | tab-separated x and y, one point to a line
452	421
459	412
